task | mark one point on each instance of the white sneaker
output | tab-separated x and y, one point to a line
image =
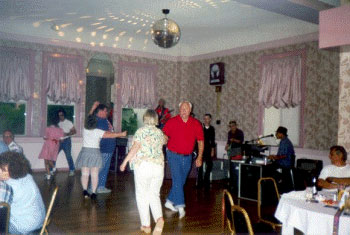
53	171
71	173
170	206
103	190
182	212
47	176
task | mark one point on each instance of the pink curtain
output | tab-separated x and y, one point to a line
138	86
281	82
15	75
64	78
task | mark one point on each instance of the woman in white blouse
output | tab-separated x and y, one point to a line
89	158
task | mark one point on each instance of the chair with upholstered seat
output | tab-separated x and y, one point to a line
234	215
4	217
48	213
267	202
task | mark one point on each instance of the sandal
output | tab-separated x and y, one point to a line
159	227
146	229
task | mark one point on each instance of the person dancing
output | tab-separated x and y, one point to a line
89	158
49	151
147	159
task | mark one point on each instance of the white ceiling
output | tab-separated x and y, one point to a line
206	26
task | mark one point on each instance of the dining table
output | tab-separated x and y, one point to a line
311	216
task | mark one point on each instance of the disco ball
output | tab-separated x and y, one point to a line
165	32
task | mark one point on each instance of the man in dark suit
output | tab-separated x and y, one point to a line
208	153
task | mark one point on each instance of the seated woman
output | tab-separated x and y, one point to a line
27	207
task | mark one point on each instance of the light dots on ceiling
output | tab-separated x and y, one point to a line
109	30
102	27
36	24
65	25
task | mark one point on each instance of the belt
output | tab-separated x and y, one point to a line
184	155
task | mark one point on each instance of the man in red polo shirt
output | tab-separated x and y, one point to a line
182	131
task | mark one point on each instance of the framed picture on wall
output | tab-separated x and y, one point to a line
217	73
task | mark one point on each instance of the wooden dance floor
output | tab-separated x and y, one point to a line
116	213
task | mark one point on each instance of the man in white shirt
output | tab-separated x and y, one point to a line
66	144
9	139
338	174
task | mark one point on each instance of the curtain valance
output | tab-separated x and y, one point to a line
281	82
16	74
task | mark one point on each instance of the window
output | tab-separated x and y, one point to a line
282	94
13	116
52	112
287	117
132	119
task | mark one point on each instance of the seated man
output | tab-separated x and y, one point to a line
284	160
338	174
285	153
27	207
9	139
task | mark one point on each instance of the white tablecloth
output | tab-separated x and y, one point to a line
311	218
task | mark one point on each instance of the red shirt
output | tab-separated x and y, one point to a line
183	135
163	117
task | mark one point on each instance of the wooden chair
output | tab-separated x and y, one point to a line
47	217
229	212
268	201
4	217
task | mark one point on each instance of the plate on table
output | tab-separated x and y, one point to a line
330	203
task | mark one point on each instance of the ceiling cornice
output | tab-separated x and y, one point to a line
127	52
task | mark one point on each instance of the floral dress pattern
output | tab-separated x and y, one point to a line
152	140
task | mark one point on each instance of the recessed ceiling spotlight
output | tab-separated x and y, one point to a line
55	27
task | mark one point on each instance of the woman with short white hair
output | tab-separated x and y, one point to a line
147	159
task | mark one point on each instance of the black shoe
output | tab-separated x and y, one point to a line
86	194
93	196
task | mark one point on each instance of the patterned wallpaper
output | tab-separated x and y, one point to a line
239	97
179	81
344	99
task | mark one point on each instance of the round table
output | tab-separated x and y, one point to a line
309	217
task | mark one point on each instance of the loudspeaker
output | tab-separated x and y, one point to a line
249	177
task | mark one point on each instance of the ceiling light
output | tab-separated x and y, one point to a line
55	27
165	32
